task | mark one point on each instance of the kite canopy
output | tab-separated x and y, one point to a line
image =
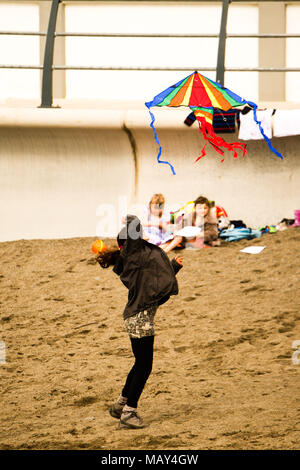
202	95
197	90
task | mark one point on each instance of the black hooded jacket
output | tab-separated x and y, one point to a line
144	269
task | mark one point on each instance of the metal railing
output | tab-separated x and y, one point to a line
48	67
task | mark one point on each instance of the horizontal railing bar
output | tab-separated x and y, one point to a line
29	67
148	35
262	69
171	35
265	35
172	1
78	67
139	35
162	69
22	33
173	69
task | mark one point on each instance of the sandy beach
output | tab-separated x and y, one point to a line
223	375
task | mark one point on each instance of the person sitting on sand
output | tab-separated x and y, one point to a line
201	217
150	278
156	223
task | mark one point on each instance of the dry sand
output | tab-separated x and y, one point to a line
223	376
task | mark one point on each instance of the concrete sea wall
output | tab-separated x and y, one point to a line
71	173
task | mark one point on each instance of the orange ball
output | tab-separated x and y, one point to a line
98	246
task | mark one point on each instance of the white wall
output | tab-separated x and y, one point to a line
292	53
160	52
137	17
242	52
19	50
52	181
60	182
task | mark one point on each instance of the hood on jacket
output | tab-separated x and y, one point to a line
131	236
144	269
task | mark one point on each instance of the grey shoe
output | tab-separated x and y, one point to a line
116	410
131	420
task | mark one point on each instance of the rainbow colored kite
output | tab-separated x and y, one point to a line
202	95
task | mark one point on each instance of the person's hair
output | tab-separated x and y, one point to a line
108	258
202	200
157	199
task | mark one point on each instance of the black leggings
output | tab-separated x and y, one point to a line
143	352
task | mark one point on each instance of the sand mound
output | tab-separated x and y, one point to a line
223	376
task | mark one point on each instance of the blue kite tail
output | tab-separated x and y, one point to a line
254	106
156	138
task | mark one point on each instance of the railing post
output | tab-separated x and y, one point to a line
222	44
47	82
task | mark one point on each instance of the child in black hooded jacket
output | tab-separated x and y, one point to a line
149	275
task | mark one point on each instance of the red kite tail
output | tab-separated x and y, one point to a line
217	141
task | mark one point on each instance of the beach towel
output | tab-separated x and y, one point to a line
249	130
236	234
286	122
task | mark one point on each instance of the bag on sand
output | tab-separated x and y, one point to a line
236	234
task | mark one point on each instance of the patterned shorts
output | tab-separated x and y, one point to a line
142	323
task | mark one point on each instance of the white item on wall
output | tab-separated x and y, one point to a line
249	130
